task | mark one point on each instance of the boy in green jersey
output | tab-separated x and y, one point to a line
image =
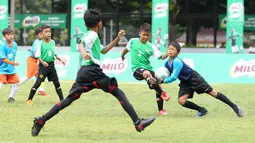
141	50
90	76
46	55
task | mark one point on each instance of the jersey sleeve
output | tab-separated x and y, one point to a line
177	67
156	53
128	46
89	41
38	50
55	49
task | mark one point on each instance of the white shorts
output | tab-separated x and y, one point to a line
235	49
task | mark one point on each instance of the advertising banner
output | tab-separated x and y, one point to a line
3	17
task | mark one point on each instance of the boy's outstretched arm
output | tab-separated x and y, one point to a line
113	43
10	62
164	56
124	52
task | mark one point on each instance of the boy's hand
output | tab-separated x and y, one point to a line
45	64
63	62
16	63
159	80
86	56
123	58
121	34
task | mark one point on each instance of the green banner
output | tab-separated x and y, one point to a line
249	22
3	16
235	23
28	21
77	22
160	12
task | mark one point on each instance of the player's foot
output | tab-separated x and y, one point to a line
38	124
42	93
143	123
162	112
202	113
11	100
165	96
29	102
238	111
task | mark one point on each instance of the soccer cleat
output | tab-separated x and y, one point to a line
165	96
38	124
11	100
202	113
238	111
143	123
162	112
29	101
42	93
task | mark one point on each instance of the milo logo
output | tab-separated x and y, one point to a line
243	68
79	9
236	11
116	66
3	9
160	10
31	21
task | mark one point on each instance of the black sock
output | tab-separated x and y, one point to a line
191	105
160	102
60	93
224	99
120	95
32	94
57	107
157	88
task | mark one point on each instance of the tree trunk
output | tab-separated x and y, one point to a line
12	14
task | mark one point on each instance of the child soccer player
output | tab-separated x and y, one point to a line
141	51
90	75
190	82
32	63
7	62
46	55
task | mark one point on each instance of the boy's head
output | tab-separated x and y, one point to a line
145	32
38	33
93	19
46	32
173	49
8	34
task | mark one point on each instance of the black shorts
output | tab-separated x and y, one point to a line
49	72
196	83
90	77
138	75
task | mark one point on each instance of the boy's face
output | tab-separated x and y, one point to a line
40	35
144	36
100	25
9	36
46	33
172	51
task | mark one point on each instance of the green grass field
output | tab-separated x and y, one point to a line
98	117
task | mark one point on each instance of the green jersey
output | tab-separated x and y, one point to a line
46	51
141	53
92	46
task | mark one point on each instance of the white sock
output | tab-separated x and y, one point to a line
23	80
13	90
1	84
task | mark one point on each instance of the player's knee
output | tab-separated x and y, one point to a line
182	100
108	85
146	74
213	93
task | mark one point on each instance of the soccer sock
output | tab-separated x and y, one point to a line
224	99
13	90
160	102
120	95
57	107
60	93
31	94
23	80
191	105
41	88
157	88
1	84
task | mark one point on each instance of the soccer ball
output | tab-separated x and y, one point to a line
162	72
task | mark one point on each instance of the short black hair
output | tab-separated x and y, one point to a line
38	30
146	27
176	45
92	17
45	27
7	31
